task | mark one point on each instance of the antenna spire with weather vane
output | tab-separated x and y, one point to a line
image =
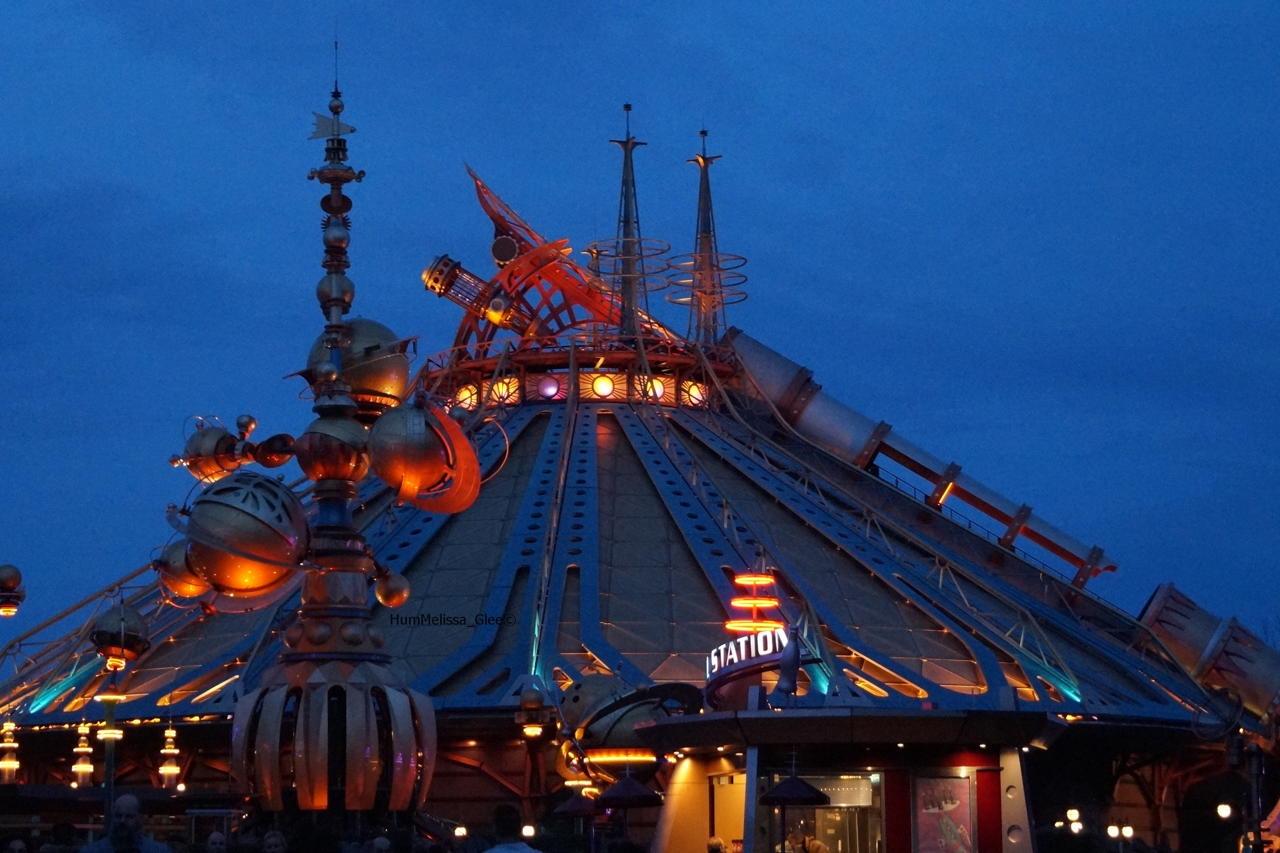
708	279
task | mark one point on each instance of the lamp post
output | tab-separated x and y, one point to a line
83	767
8	754
109	734
169	770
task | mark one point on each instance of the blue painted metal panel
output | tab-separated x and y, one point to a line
578	543
782	484
527	542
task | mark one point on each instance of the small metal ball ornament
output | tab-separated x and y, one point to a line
334	447
120	636
246	534
12	593
392	590
209	453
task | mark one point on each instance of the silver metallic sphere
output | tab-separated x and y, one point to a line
120	635
326	371
374	364
407	451
335	288
334	447
426	457
10	578
336	235
246	424
247	534
210	453
175	576
335	106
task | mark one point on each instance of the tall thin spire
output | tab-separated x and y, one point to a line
709	277
628	239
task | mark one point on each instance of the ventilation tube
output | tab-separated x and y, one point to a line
852	436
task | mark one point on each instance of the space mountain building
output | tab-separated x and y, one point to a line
631	579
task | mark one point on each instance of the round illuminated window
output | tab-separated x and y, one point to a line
602	386
655	388
695	393
468	396
506	390
549	387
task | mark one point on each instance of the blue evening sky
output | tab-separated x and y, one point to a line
1039	239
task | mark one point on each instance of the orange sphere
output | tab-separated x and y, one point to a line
374	364
405	448
392	590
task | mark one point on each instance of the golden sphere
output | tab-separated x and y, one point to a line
10	578
334	447
406	449
374	364
392	590
175	576
247	534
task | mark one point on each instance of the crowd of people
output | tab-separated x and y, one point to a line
125	835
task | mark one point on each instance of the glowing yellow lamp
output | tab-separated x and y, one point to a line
755	602
468	397
602	386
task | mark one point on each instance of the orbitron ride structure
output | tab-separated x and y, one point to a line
606	552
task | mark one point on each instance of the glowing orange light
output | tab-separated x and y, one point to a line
754	601
533	730
654	388
621	756
602	386
8	610
110	734
115	664
753	625
506	390
468	397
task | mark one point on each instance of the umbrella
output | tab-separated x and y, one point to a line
627	793
579	805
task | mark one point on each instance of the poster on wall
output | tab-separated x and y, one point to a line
943	815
